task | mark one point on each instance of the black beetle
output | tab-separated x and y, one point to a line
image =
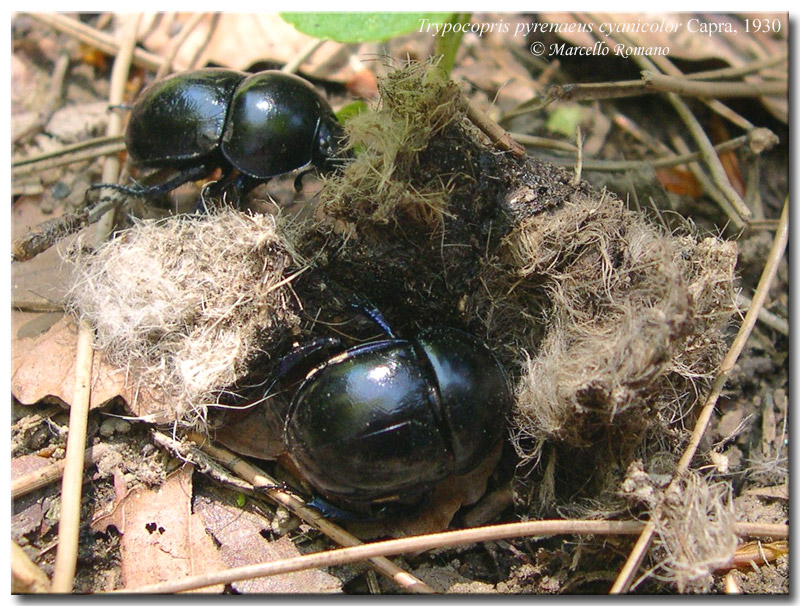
385	421
253	126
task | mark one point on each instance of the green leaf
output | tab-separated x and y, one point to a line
360	27
350	110
566	119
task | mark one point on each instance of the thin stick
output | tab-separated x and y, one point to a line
543	142
337	557
711	90
116	96
708	186
760	295
26	576
739	70
294	504
576	179
72	484
50	473
593	91
346	555
496	133
765	316
711	159
177	43
718	175
95	38
48	233
51	102
76	152
301	57
670	160
636	556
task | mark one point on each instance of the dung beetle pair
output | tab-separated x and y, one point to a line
385	421
253	126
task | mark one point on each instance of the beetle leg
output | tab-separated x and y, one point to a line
155	191
298	180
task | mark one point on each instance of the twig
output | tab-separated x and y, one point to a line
77	152
711	90
337	557
72	484
670	160
312	47
765	316
26	577
493	130
663	64
102	41
685	84
69	524
708	186
739	70
50	473
593	91
51	102
710	157
116	96
543	142
767	275
576	178
294	504
48	233
759	296
346	555
177	43
19	303
718	175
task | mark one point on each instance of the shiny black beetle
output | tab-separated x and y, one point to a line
253	126
384	421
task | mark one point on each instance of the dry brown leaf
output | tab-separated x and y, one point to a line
253	432
244	540
43	279
162	540
755	553
44	367
269	38
448	497
491	66
679	181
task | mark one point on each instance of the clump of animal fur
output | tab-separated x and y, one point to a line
631	324
694	524
185	303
